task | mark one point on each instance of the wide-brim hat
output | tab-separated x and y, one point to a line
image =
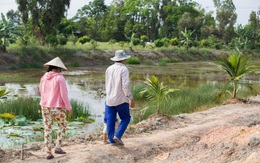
120	55
56	62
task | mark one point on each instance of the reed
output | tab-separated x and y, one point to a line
187	100
30	108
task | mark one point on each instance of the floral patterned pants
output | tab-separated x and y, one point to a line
59	115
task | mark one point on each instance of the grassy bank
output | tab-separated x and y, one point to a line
188	100
77	55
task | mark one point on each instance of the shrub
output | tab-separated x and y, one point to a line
165	59
204	43
166	41
62	40
73	39
133	60
83	39
52	40
174	41
136	41
158	43
144	38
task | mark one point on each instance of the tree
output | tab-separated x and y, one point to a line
155	91
237	66
226	18
94	15
43	16
8	30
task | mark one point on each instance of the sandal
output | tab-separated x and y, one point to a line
49	156
59	151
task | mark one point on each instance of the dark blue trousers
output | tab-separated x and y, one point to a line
124	114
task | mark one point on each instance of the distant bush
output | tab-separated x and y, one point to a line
174	41
136	41
83	39
165	59
62	40
52	40
133	60
204	43
73	39
166	41
158	43
144	38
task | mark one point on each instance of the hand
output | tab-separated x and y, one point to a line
132	103
70	112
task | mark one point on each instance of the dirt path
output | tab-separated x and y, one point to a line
227	133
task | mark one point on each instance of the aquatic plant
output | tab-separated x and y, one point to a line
4	91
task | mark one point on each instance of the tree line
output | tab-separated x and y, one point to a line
164	22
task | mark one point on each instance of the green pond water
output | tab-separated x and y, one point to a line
86	84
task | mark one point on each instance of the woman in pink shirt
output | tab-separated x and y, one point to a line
54	103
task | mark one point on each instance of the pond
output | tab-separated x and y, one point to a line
87	84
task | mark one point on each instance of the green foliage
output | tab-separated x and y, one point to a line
185	100
42	17
121	44
112	41
133	60
158	43
62	40
4	91
236	66
144	38
166	41
156	91
83	39
73	39
148	62
29	107
8	31
93	44
19	121
187	35
136	41
79	110
204	43
174	41
52	40
165	59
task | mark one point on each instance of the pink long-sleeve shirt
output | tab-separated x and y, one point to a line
53	91
117	85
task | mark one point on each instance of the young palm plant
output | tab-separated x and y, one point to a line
187	35
155	91
237	66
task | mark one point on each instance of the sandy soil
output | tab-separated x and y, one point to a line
227	133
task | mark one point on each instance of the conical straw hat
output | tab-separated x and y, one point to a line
55	62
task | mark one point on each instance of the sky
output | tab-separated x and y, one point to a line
243	7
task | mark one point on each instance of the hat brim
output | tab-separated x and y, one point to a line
63	68
115	59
